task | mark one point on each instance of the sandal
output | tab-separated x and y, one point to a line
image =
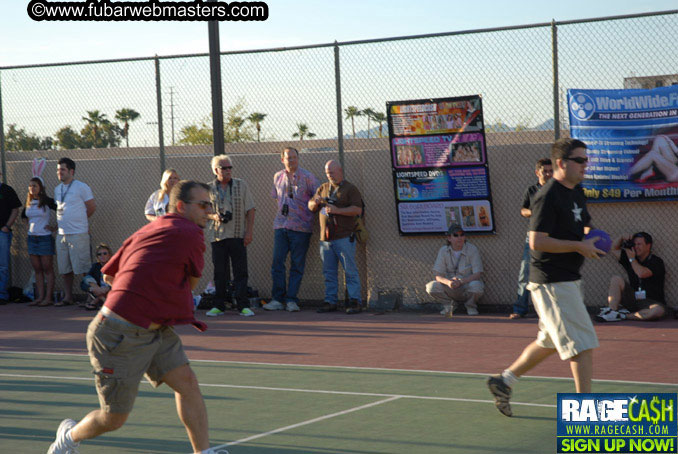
92	305
44	303
64	303
34	303
515	316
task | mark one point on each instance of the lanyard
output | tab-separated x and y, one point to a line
222	196
63	195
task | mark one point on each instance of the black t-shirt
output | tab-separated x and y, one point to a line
8	201
653	285
561	213
529	195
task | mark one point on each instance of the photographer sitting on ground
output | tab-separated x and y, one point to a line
642	297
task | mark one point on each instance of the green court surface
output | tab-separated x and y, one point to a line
265	408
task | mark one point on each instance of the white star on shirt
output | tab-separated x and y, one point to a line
577	212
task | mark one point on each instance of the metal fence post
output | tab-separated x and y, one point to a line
340	125
158	94
556	95
2	137
217	99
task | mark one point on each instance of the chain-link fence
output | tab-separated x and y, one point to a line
125	121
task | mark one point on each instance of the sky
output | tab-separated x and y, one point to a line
290	23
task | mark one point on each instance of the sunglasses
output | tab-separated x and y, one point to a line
457	235
102	253
225	167
204	204
578	160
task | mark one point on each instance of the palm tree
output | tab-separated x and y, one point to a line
236	123
369	113
257	118
352	112
379	118
95	119
302	131
125	116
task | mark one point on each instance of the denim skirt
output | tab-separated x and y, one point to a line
40	245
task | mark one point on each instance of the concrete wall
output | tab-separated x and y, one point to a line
122	180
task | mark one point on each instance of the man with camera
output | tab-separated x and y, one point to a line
230	231
339	203
293	187
642	297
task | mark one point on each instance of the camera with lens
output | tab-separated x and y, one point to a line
332	200
226	217
285	210
627	244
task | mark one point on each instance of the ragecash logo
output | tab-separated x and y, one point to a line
582	106
618	423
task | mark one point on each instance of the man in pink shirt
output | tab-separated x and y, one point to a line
293	187
152	276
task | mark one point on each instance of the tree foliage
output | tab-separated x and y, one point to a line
17	139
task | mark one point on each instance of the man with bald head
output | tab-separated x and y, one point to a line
339	203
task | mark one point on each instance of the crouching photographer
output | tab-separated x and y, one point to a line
641	297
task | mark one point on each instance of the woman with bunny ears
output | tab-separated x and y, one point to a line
40	240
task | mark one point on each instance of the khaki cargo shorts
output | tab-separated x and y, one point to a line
73	253
564	323
122	353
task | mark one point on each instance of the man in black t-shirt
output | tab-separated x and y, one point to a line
544	171
9	210
642	297
557	226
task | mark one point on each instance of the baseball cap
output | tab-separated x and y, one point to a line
454	228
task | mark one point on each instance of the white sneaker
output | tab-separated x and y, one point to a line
611	316
274	305
247	312
624	311
214	312
472	311
292	307
61	445
604	310
447	309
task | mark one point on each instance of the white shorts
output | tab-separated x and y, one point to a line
73	253
564	323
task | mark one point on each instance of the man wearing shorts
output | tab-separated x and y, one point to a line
642	296
152	276
557	226
75	204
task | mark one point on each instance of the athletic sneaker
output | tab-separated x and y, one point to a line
292	307
502	393
472	311
604	310
247	312
611	316
61	445
624	311
215	451
214	312
274	305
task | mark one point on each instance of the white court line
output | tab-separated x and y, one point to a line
297	390
304	423
321	366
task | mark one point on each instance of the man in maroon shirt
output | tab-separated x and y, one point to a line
152	276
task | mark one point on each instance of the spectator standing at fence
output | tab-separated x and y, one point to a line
39	240
230	231
339	203
293	187
152	276
75	204
157	202
544	171
9	210
557	226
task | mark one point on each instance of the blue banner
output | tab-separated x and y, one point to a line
632	139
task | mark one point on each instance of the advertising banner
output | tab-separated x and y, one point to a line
439	164
632	138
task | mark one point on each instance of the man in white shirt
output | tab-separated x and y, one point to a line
75	204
